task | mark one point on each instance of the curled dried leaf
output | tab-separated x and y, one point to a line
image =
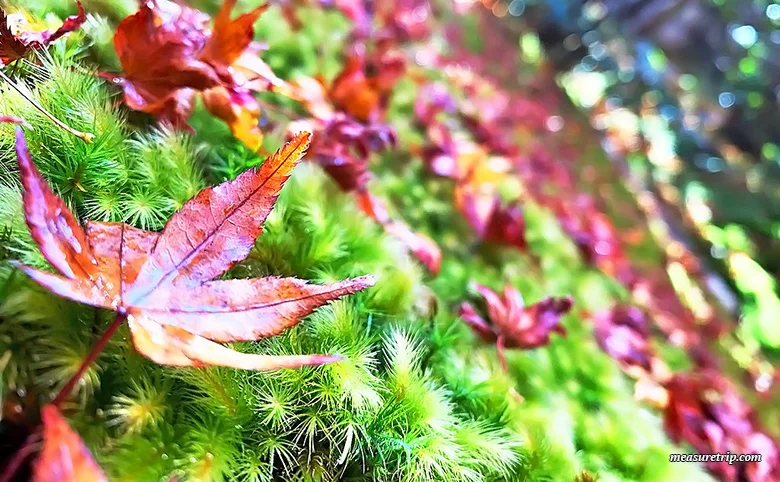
14	47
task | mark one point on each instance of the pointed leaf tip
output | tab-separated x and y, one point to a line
301	141
21	145
63	457
365	281
325	359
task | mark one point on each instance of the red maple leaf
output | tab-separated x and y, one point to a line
500	224
363	87
14	47
158	48
164	283
512	324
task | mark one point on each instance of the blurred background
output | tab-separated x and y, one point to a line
685	95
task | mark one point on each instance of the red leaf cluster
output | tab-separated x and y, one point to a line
475	171
342	147
403	20
345	121
15	46
511	324
705	411
500	224
594	235
168	54
164	283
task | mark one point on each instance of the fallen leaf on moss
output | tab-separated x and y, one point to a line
168	54
494	222
158	47
342	147
512	324
164	283
705	410
63	457
14	47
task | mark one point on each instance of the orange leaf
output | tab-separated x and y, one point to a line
230	38
241	112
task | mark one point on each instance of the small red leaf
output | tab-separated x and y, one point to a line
623	333
12	119
520	326
63	458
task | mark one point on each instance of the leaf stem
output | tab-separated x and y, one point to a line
84	136
19	457
91	357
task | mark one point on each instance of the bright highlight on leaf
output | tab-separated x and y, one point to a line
164	283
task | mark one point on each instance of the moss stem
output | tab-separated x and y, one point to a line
84	136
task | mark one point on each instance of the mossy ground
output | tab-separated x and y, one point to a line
418	397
